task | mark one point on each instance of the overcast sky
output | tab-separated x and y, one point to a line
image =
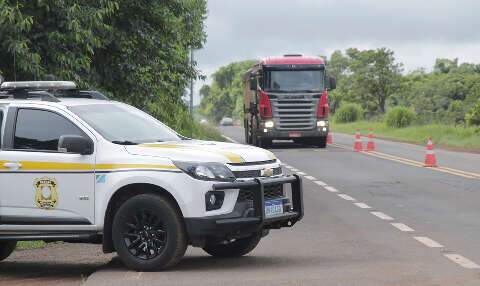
418	31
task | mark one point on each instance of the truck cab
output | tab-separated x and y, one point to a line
287	98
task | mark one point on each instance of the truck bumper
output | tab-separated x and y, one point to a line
291	134
248	217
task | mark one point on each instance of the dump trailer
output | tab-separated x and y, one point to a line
287	98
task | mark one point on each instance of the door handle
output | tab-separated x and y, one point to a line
12	165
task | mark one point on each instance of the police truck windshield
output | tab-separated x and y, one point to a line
295	80
123	124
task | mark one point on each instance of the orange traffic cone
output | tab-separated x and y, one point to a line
430	160
371	143
358	142
329	138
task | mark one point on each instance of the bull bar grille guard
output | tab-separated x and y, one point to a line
259	184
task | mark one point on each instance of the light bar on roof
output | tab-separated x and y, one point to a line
38	85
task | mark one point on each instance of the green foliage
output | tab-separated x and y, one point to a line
224	97
135	51
366	77
399	117
456	111
473	116
348	112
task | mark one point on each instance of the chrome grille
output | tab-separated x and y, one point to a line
294	112
255	173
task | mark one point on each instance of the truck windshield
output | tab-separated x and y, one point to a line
295	80
123	124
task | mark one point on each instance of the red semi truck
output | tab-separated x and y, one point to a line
287	98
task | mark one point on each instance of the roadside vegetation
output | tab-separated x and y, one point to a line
443	135
136	52
224	97
25	245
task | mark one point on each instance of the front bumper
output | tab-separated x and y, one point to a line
282	134
248	217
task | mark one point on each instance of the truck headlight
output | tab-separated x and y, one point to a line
206	171
322	123
269	124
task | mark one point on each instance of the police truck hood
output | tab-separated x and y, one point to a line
202	151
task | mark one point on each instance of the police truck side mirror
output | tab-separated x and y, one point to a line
332	83
253	83
75	144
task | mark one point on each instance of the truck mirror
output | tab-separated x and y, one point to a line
332	83
253	83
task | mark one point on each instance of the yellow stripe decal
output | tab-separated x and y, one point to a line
29	166
60	166
234	158
133	166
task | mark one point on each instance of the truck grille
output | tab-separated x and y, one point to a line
271	192
255	173
294	112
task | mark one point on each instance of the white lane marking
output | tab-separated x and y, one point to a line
362	205
462	261
402	227
301	173
310	178
294	170
230	139
346	197
331	189
320	183
427	241
382	215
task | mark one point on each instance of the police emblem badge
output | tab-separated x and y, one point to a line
46	195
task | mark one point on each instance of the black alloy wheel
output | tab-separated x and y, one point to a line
145	235
148	233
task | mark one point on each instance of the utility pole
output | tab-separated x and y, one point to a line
191	82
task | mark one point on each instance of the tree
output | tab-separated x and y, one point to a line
135	51
51	37
445	65
224	97
375	77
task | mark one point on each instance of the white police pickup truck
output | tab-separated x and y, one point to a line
77	167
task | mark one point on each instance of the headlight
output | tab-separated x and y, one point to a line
321	123
206	171
269	124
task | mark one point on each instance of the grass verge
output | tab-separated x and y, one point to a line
467	139
24	245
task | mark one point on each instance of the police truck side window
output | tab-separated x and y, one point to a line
41	130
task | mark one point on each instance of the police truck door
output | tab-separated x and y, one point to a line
41	184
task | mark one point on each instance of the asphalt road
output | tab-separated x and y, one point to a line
371	219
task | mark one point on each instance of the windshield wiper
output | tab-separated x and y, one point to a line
124	142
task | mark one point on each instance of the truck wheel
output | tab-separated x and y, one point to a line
148	233
321	142
248	135
237	248
265	143
6	248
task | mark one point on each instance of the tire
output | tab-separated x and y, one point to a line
265	143
248	133
6	248
237	248
148	233
321	142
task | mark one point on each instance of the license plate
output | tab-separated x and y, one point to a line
294	134
273	207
